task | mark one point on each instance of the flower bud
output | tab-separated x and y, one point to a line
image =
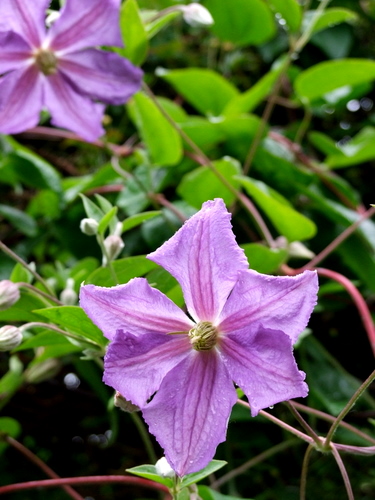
113	245
9	294
68	296
196	15
10	337
163	468
89	226
42	371
124	404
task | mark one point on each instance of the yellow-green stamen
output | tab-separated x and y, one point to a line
203	336
46	61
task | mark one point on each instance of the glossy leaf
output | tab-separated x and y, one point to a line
290	11
206	90
125	269
133	33
202	184
290	223
212	467
330	17
263	259
137	219
324	77
241	22
160	137
149	472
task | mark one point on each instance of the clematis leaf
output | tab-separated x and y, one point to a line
149	472
291	224
9	427
160	137
133	33
290	10
212	467
137	219
125	269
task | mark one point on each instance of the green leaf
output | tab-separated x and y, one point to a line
43	339
9	427
137	219
263	259
203	88
290	223
74	320
20	220
241	22
160	137
212	467
249	100
324	77
92	210
239	132
23	309
359	149
328	18
20	274
133	33
202	184
154	26
324	143
290	10
125	269
46	203
202	132
106	220
32	169
207	493
149	472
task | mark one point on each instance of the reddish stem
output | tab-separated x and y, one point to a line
358	300
50	483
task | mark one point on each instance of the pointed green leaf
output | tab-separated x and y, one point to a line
137	219
212	467
149	472
241	22
263	259
290	223
290	11
160	137
20	220
330	17
125	269
74	320
106	220
206	90
324	77
133	33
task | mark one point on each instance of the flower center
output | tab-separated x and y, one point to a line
46	61
203	336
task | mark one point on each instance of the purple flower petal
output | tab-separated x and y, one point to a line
71	110
86	23
136	365
14	51
205	258
26	18
189	413
277	303
20	100
101	75
264	367
135	307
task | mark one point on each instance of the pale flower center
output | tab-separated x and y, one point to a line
203	336
46	61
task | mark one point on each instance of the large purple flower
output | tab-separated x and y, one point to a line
241	329
57	69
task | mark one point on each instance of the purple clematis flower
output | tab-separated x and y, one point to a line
241	329
60	69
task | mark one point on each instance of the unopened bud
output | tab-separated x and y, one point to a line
113	245
42	371
10	337
196	15
163	468
298	249
89	226
9	294
68	296
124	404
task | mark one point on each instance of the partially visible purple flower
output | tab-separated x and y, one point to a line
241	329
60	69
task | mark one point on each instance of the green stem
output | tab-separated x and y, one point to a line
305	469
144	436
48	326
346	409
18	259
